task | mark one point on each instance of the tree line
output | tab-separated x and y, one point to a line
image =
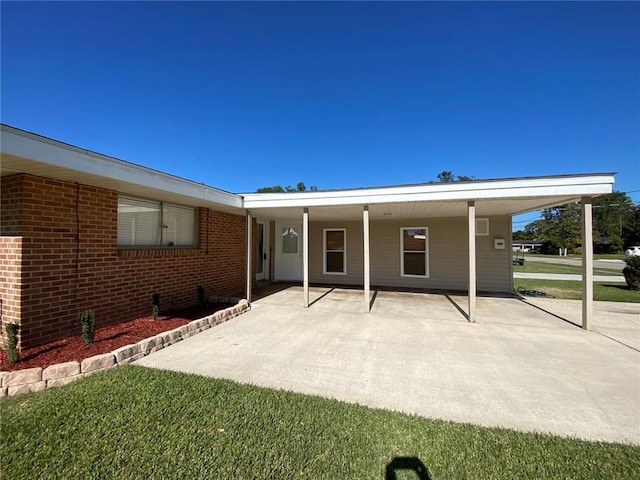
616	225
443	177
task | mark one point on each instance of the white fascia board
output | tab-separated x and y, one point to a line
43	150
597	184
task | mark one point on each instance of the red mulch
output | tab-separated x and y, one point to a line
106	339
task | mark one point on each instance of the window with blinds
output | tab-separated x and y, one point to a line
147	223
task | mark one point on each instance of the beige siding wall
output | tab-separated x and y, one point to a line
448	254
494	266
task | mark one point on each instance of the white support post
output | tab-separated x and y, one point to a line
249	255
471	213
587	263
305	256
367	279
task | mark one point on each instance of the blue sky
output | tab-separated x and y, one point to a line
244	95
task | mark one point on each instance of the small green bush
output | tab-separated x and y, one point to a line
13	354
155	302
87	320
632	272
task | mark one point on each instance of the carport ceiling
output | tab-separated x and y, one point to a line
406	210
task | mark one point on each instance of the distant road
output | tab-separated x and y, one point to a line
611	264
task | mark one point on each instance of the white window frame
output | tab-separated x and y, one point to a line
161	206
426	252
324	251
482	227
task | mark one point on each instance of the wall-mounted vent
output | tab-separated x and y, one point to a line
482	227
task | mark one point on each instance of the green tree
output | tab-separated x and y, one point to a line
613	222
300	187
616	223
446	176
562	226
465	178
522	235
274	189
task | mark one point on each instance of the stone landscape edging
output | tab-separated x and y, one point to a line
31	380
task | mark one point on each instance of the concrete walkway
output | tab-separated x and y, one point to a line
519	366
566	276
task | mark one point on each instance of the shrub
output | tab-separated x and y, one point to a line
201	298
87	320
13	354
632	272
155	305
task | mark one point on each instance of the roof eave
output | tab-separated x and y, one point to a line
75	162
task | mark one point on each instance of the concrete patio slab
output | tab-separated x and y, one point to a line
618	320
517	367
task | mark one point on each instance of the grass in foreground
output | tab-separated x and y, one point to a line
133	422
572	290
531	266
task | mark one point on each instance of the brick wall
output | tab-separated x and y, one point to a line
10	264
70	260
10	249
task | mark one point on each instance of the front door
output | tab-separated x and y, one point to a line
289	252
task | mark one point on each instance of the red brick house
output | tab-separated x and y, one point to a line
68	238
83	230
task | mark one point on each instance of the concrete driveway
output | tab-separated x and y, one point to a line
519	366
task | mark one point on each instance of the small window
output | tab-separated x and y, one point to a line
148	223
289	240
335	251
414	252
482	227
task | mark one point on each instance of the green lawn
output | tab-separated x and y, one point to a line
602	291
596	256
531	266
133	422
607	256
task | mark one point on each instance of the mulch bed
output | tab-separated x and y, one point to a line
106	339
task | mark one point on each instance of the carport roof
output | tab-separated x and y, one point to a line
508	196
25	152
